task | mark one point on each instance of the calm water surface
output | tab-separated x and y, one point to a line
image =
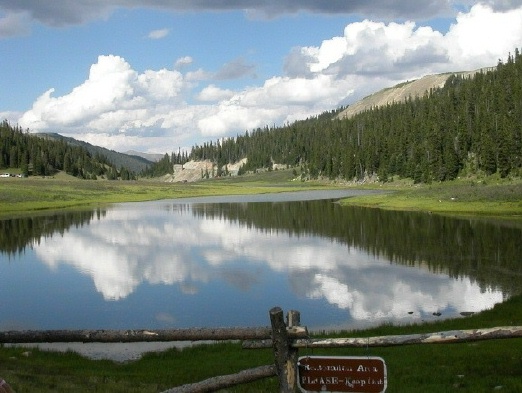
226	261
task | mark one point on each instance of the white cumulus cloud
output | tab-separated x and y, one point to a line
483	35
214	93
161	110
108	88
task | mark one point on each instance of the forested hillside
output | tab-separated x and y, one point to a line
44	157
133	163
471	125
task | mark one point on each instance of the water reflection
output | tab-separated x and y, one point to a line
486	251
340	266
17	234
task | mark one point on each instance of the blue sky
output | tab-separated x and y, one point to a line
157	75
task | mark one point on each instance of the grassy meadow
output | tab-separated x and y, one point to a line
20	196
483	366
485	197
488	196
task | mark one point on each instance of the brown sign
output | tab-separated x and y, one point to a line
342	374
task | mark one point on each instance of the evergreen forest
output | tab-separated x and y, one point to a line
43	156
471	125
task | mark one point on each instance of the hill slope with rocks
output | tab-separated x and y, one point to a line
195	170
402	91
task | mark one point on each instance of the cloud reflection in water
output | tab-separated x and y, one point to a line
129	247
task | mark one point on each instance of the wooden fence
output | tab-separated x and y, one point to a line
284	338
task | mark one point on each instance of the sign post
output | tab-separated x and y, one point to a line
342	374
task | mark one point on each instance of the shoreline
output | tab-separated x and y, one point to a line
482	197
117	352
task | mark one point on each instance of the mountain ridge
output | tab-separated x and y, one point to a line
148	156
403	91
133	163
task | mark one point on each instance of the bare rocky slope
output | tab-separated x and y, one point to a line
402	91
195	170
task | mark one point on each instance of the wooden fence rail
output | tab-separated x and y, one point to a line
285	339
451	336
113	336
129	336
226	381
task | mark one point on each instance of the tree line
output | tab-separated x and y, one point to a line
44	156
470	125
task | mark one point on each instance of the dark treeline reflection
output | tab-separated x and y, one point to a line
17	233
487	252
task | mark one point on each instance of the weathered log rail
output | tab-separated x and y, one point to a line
285	339
114	336
226	381
445	337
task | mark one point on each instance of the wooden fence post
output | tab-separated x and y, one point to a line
293	318
285	366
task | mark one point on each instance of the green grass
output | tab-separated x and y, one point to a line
464	367
485	197
491	197
484	366
33	194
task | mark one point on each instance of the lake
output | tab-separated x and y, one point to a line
226	261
